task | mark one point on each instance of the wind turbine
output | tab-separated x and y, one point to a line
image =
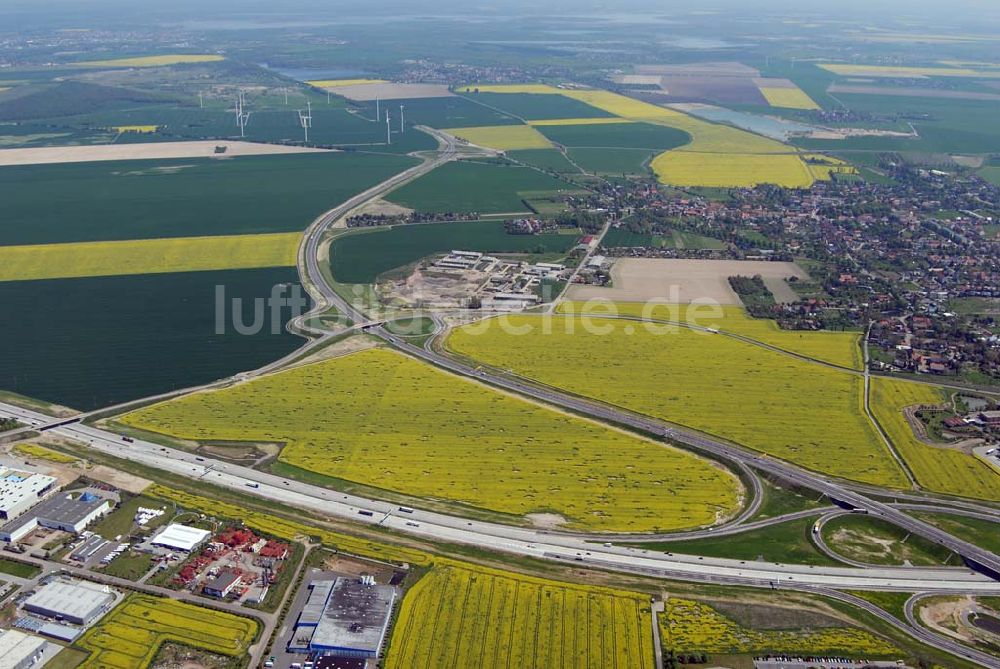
306	120
400	119
377	112
388	130
242	115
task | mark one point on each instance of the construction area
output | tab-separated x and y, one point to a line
470	278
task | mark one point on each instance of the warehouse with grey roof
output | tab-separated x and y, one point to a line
78	602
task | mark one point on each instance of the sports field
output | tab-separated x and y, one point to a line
147	256
131	635
407	427
717	155
152	61
762	399
502	137
690	626
838	348
463	616
936	469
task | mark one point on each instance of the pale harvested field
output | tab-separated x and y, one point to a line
47	155
640	79
711	69
390	91
683	281
911	91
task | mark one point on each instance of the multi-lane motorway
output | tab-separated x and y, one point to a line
517	540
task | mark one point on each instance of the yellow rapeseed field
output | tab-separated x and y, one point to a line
140	129
789	98
131	635
464	616
936	469
147	256
152	61
762	399
385	420
731	170
503	137
42	453
688	626
717	156
579	121
894	71
339	83
838	348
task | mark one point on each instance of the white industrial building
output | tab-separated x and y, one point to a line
69	512
77	602
19	650
21	490
181	538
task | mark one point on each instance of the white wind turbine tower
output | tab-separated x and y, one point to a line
242	115
306	120
378	113
388	129
400	119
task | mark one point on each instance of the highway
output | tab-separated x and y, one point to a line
515	540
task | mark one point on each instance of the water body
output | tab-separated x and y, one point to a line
769	126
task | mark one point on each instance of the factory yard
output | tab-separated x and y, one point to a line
51	155
683	281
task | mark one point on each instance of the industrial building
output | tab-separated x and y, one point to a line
19	650
21	490
77	602
220	586
345	617
69	512
181	538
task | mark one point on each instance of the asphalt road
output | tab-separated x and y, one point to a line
514	540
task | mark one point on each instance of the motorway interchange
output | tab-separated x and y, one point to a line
584	550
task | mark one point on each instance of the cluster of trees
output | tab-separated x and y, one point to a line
7	424
672	661
590	222
758	298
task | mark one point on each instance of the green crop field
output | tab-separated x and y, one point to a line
484	187
456	112
461	616
534	106
181	198
611	162
362	257
762	399
617	136
546	159
691	626
331	127
937	469
407	427
112	339
130	636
